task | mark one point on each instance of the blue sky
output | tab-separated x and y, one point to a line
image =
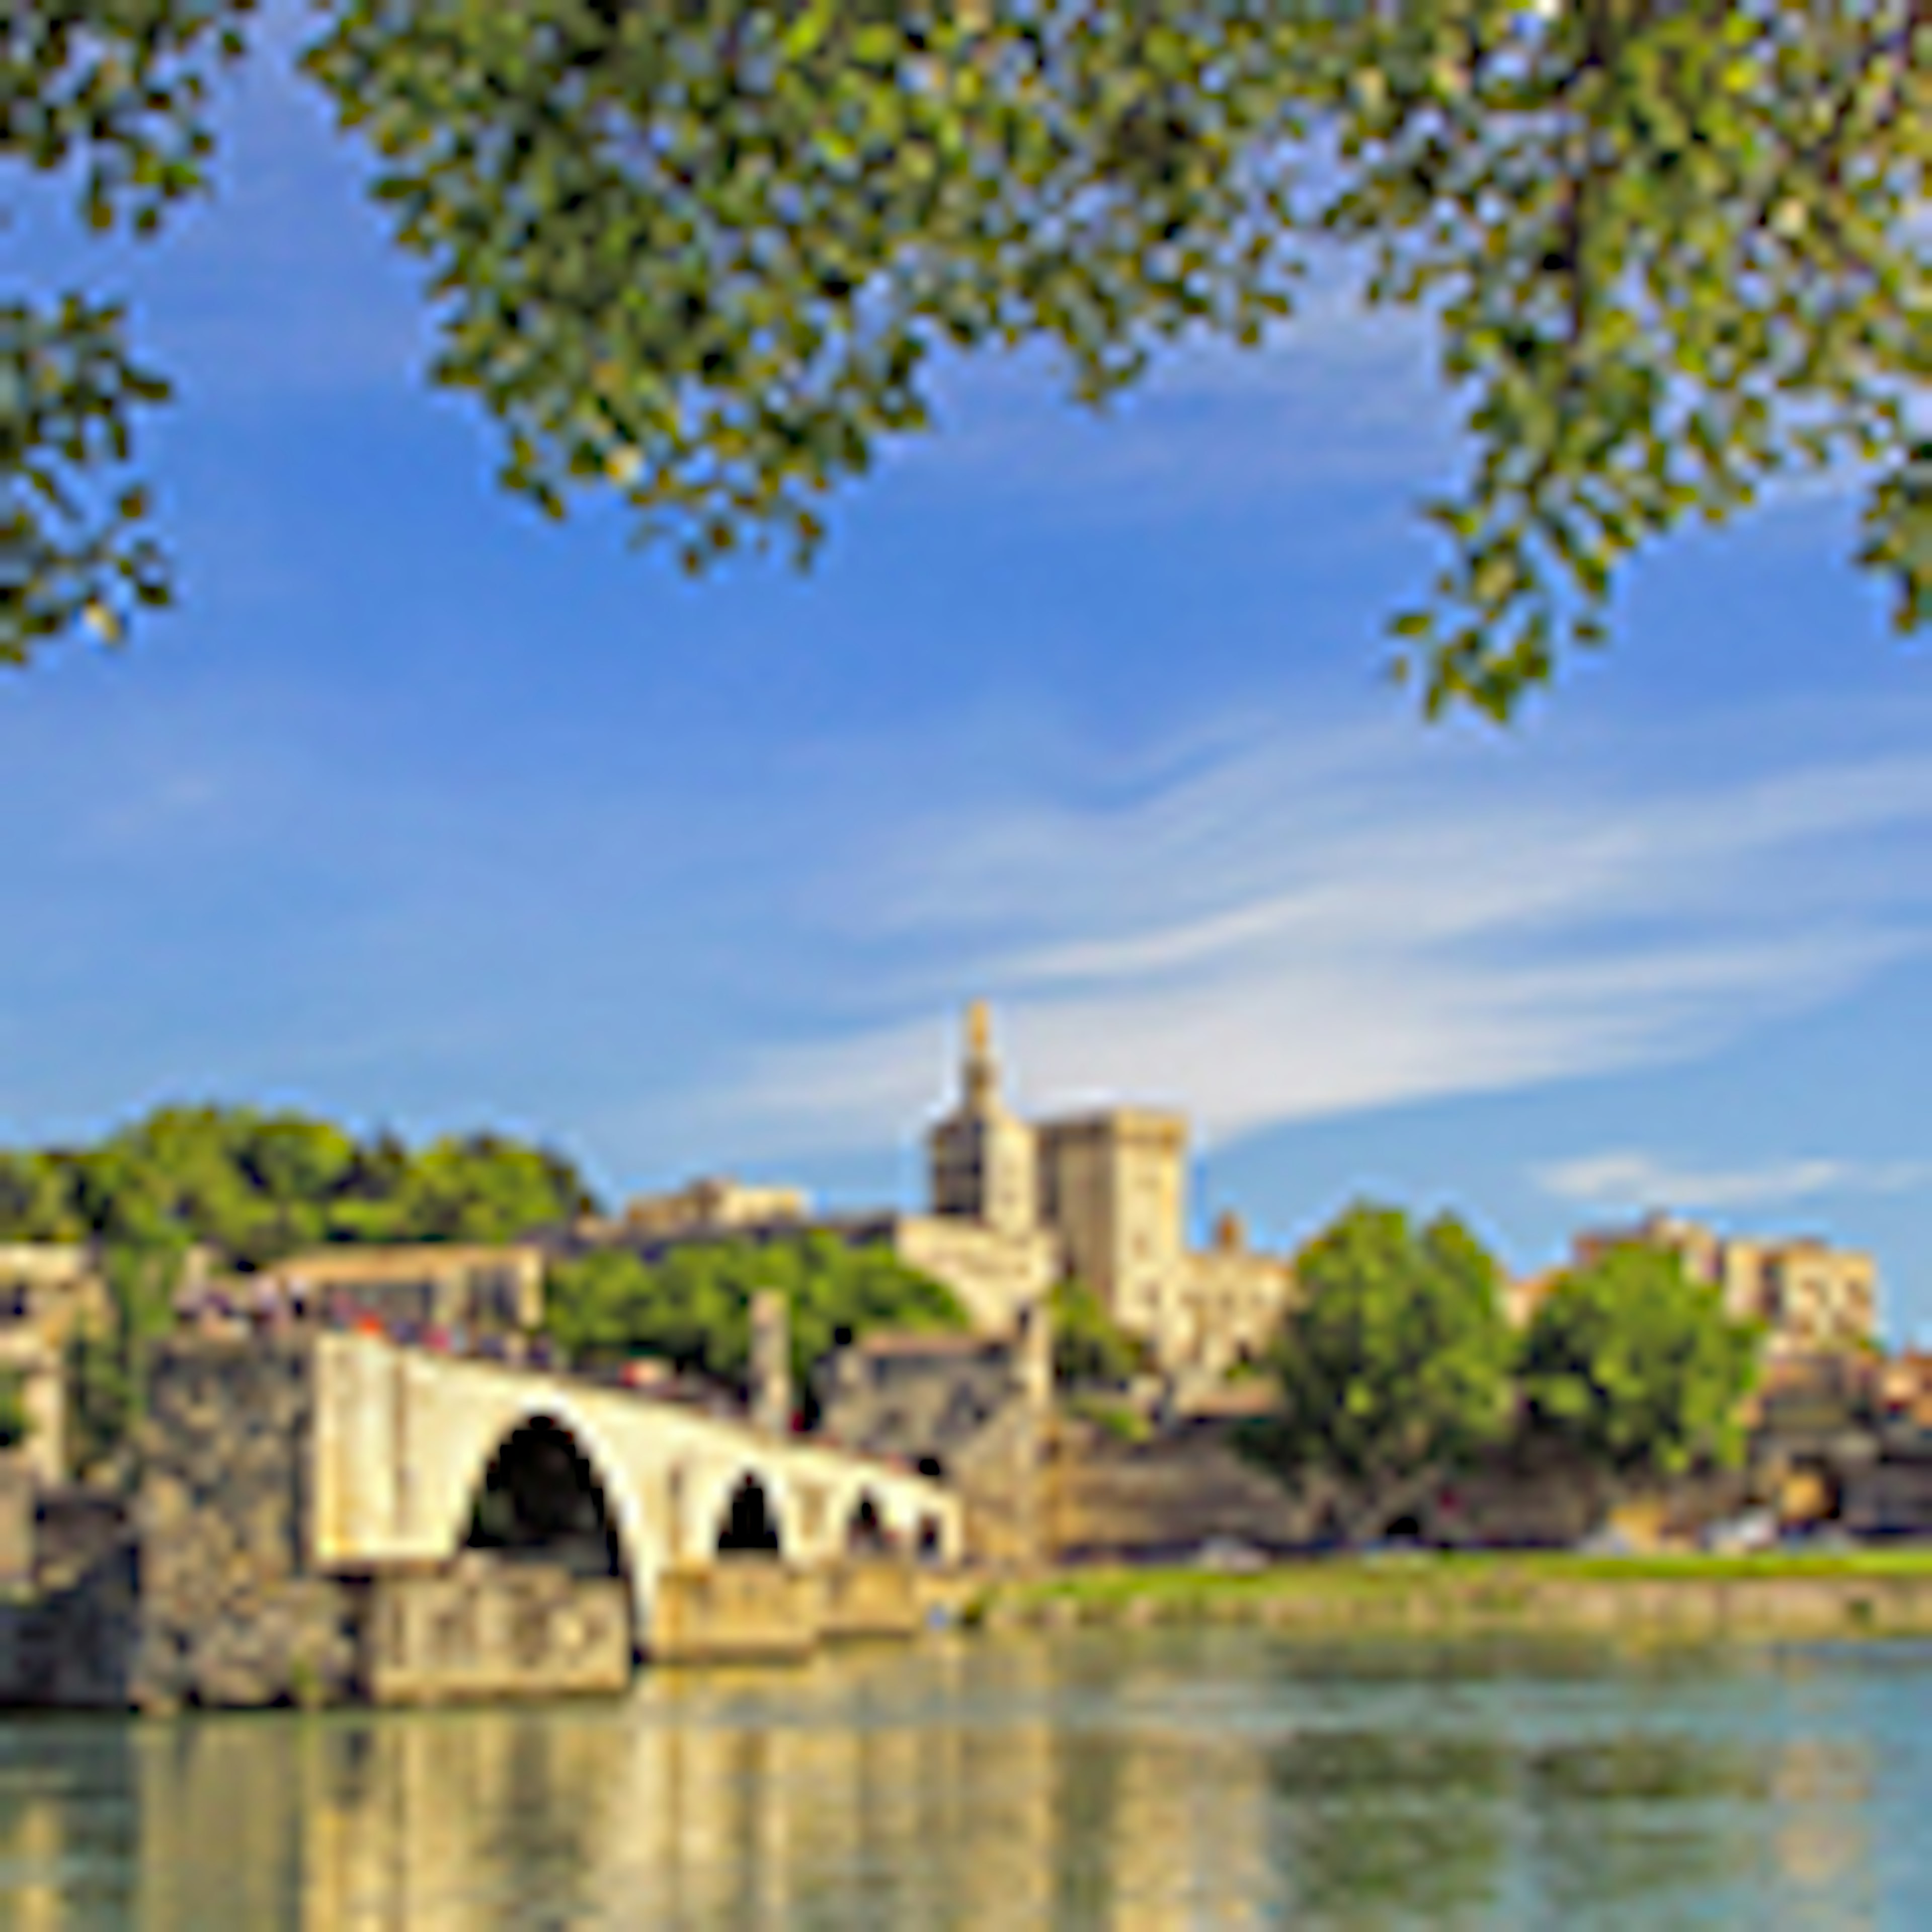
421	811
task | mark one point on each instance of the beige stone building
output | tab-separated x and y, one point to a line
486	1289
1810	1296
49	1292
1101	1198
714	1204
1013	1206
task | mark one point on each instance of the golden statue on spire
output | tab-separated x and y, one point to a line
981	1072
979	1030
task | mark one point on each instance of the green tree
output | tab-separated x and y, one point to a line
36	1203
1393	1365
1090	1349
707	254
692	1306
487	1187
1636	1366
253	1187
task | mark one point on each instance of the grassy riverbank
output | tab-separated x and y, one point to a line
1888	1591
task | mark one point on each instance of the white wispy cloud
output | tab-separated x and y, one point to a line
1314	923
1630	1178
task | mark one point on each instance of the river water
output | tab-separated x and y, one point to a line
1219	1779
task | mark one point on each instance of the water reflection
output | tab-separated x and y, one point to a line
1141	1784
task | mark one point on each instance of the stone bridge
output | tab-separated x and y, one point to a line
405	1443
330	1514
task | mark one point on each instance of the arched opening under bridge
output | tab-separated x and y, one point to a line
866	1531
749	1526
540	1499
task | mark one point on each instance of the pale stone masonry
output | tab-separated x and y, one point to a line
1015	1206
49	1292
982	1161
310	1526
972	1411
715	1204
1101	1198
483	1288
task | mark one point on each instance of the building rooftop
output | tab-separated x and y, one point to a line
911	1342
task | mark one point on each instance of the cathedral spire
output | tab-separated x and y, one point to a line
982	1166
981	1069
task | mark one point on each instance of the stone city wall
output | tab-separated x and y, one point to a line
1169	1493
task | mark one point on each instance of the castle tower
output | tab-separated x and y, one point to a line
980	1156
1113	1187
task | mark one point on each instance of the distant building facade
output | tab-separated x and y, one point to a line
481	1290
1014	1206
1810	1297
49	1293
714	1204
969	1410
1100	1198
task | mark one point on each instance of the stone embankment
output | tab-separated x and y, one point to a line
1329	1597
1172	1491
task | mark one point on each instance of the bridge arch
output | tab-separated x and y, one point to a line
403	1441
741	1504
749	1525
867	1531
561	1491
540	1495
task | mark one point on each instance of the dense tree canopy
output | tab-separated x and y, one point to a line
692	1306
254	1186
1394	1364
250	1187
1636	1366
705	253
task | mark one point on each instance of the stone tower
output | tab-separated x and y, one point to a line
981	1155
771	1363
1113	1187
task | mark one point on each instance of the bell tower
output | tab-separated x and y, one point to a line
980	1155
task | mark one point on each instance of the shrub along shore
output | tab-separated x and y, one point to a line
1864	1592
